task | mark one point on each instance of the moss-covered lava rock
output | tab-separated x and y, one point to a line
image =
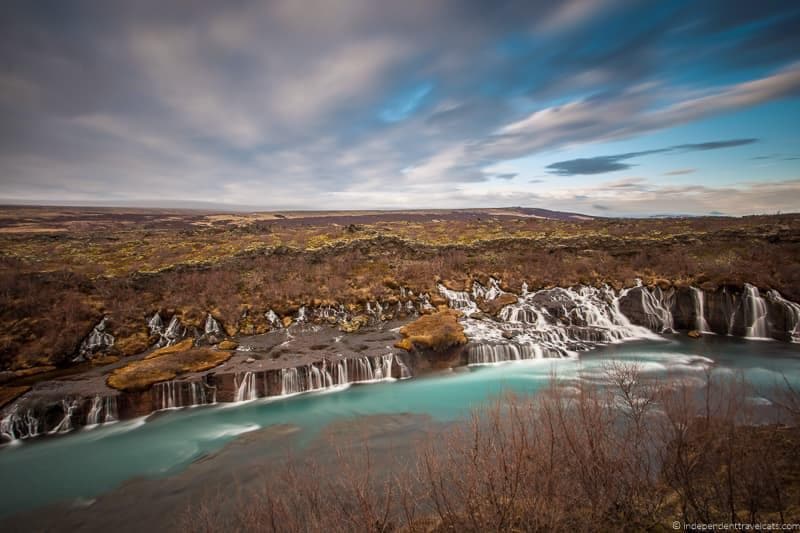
437	331
142	374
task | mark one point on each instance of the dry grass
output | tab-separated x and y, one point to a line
182	346
140	375
127	264
636	455
437	332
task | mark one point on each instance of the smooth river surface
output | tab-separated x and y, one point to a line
89	462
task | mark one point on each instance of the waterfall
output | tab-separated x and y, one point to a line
789	326
68	407
290	381
458	300
479	291
212	327
405	373
342	377
94	411
321	376
482	354
699	300
166	394
99	339
174	394
246	388
155	325
755	313
273	319
102	411
174	332
111	413
552	323
16	425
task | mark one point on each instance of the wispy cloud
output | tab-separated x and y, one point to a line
613	163
350	103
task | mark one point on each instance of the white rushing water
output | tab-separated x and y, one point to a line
103	410
177	394
699	300
245	387
755	313
344	372
19	424
792	312
211	326
68	406
546	323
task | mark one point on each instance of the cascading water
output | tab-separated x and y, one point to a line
290	381
755	313
405	373
155	325
344	372
212	327
178	394
482	354
273	319
699	300
19	425
790	311
246	388
548	323
69	406
94	411
459	300
98	340
166	394
110	406
103	410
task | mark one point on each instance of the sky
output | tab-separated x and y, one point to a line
606	107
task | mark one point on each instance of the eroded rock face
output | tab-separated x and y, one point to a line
725	311
649	308
99	340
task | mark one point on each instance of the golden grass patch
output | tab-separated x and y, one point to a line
140	375
437	331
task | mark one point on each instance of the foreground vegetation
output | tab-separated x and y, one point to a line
629	455
61	271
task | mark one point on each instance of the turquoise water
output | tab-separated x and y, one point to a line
90	462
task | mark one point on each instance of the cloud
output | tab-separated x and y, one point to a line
680	171
506	176
297	102
777	157
613	163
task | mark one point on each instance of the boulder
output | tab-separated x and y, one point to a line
228	344
493	307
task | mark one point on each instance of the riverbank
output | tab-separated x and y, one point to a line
178	454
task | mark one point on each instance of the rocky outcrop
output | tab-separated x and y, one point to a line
435	332
726	311
142	374
99	340
39	415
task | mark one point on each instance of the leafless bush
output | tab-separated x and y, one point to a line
626	454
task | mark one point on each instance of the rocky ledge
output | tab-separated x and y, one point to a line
322	348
